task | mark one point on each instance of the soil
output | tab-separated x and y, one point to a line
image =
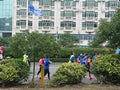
67	87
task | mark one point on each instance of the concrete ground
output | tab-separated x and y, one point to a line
53	68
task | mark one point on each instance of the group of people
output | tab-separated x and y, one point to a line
44	61
84	59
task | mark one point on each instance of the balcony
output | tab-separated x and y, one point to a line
47	7
46	27
68	7
68	17
89	18
46	17
30	27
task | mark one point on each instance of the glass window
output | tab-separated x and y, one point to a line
86	36
68	13
22	2
46	23
89	24
90	3
29	23
48	13
21	22
68	3
68	24
21	12
89	14
46	2
110	13
5	15
111	4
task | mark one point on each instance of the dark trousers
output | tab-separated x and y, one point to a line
39	70
46	71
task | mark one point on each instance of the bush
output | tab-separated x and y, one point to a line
68	73
8	74
13	71
107	66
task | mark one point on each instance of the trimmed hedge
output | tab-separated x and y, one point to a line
107	66
65	52
13	71
68	73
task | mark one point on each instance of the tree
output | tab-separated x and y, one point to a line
17	45
109	31
4	41
102	34
68	40
38	45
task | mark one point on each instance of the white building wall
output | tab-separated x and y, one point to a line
57	18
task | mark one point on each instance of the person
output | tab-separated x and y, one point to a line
94	57
87	64
72	57
1	54
46	67
41	63
78	59
25	59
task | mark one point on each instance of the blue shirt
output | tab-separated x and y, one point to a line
46	63
72	58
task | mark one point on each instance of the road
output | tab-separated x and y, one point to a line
53	68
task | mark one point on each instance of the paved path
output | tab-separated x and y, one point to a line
53	68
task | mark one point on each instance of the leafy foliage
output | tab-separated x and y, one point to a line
68	73
108	66
13	71
109	31
67	40
35	44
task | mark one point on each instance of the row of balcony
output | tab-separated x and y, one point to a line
52	18
70	8
51	28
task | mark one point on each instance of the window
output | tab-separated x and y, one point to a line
68	3
21	23
110	14
46	23
89	24
68	13
46	2
86	36
29	23
111	4
21	12
48	13
22	2
90	3
68	24
89	14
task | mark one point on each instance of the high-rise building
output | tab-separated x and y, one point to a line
5	18
78	17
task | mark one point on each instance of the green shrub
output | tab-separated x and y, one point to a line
8	74
108	66
59	59
13	71
68	73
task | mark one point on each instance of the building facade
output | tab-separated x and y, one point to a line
5	18
78	17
